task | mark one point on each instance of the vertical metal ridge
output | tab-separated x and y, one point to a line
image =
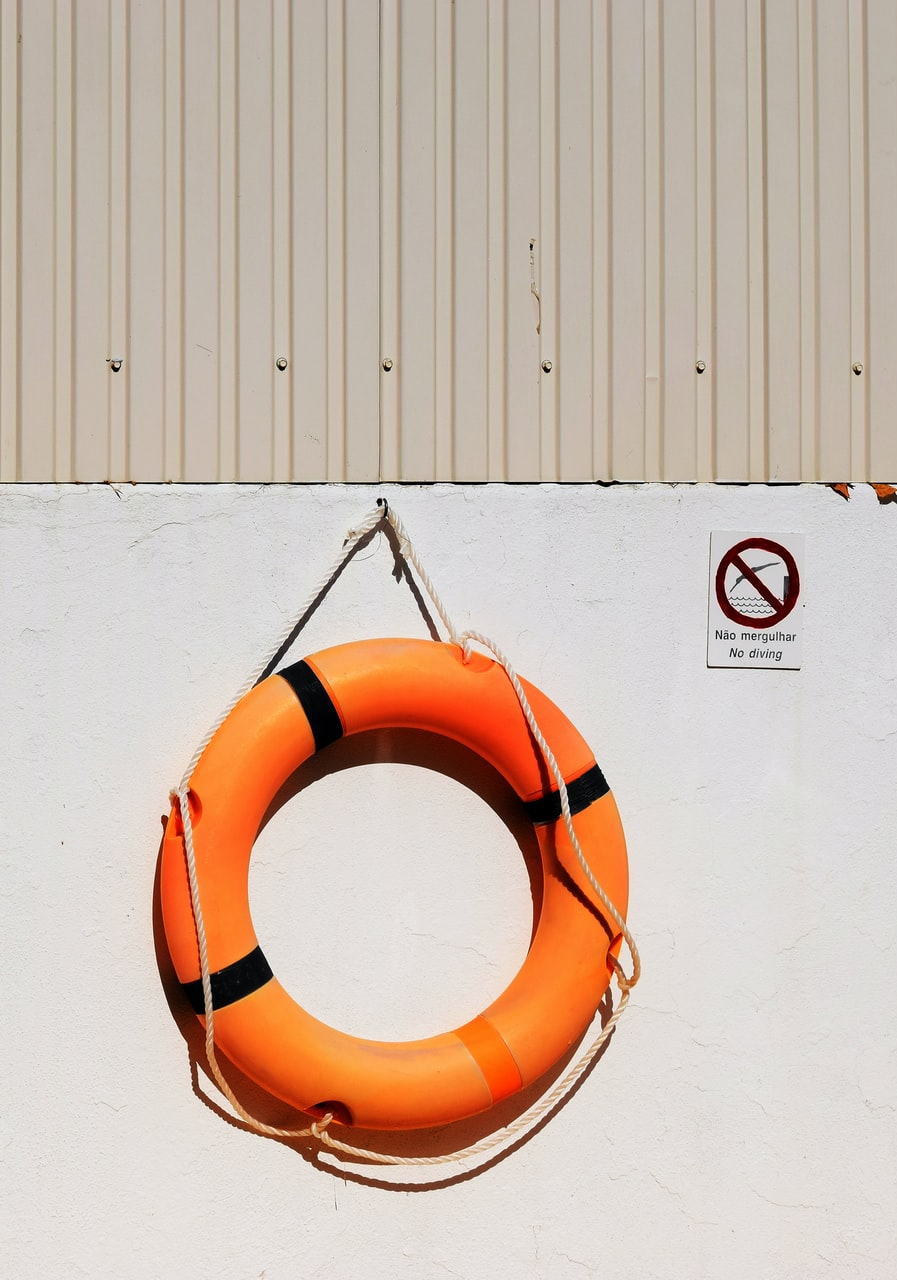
255	162
523	72
881	59
859	261
173	240
390	232
678	230
729	355
272	229
360	154
783	240
594	398
705	453
809	230
336	241
444	319
423	157
497	205
834	348
126	238
228	257
602	238
145	143
63	264
653	187
628	258
111	387
18	239
10	189
281	238
221	426
661	251
36	235
469	372
570	311
239	442
91	250
758	255
16	274
309	272
343	379
119	238
56	185
549	272
183	425
611	248
711	336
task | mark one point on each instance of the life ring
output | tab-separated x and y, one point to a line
376	684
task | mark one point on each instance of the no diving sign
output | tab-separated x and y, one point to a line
754	619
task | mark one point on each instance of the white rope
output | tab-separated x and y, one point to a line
312	1131
353	537
319	1129
552	763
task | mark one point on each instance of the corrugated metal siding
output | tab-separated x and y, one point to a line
546	214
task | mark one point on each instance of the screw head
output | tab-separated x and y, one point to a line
281	363
387	365
115	364
858	369
700	366
546	366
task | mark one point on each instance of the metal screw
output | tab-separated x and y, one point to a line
700	366
546	366
387	365
115	364
858	369
281	363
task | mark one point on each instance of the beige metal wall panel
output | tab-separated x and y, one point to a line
190	195
694	177
417	239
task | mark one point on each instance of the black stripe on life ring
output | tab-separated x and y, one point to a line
581	792
233	983
322	715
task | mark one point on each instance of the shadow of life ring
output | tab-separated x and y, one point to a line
377	684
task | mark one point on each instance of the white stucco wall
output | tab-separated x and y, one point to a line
742	1122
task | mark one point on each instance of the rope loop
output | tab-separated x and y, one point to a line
319	1128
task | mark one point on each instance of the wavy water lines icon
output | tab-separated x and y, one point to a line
758	605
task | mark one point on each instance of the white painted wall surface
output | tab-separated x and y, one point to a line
742	1122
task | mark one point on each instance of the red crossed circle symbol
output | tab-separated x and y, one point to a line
780	608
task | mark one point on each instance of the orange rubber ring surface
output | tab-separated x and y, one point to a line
377	684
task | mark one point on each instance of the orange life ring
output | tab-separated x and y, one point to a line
376	684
